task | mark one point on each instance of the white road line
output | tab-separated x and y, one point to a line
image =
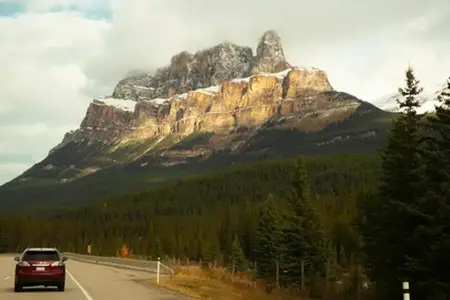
85	293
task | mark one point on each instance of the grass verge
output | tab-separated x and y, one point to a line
218	284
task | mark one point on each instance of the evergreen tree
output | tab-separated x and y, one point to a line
157	248
237	257
392	224
436	201
268	244
303	238
439	123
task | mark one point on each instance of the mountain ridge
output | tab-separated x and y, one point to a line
219	106
427	99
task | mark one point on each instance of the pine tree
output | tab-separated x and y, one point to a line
157	248
436	201
440	127
392	217
237	257
303	238
268	244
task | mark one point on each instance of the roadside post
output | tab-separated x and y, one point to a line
89	248
158	265
406	295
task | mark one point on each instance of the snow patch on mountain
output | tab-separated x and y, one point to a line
157	101
428	99
125	105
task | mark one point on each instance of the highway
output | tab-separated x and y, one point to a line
86	281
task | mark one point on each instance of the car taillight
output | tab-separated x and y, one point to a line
57	264
23	264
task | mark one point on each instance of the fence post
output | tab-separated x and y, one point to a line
157	270
406	295
327	275
303	275
278	275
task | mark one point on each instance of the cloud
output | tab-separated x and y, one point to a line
42	55
357	42
56	55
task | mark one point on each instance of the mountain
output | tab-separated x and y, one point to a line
214	108
427	100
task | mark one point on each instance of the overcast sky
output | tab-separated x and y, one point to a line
55	55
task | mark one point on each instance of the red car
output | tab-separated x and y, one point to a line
40	267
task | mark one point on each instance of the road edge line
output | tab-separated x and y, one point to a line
85	293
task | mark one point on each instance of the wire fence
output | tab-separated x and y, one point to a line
349	279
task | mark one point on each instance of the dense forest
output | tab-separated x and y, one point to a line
381	216
199	216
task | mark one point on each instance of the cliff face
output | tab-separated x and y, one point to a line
221	98
205	68
245	102
213	90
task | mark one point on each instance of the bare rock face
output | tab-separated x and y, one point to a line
249	101
188	72
214	90
270	54
208	67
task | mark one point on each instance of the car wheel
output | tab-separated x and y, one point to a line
61	287
17	288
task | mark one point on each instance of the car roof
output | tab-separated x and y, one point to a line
41	249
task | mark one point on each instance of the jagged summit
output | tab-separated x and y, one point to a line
208	67
270	54
218	106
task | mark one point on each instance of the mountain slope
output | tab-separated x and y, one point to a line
211	109
427	100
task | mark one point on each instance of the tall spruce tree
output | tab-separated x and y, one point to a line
268	244
439	124
158	249
392	218
436	202
303	238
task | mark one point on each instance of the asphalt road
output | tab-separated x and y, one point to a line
85	281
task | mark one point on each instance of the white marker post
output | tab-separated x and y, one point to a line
406	290
157	270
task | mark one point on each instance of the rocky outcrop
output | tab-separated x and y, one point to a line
213	90
209	67
188	72
239	102
270	54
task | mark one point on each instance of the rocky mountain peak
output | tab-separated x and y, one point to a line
208	67
187	72
212	90
270	54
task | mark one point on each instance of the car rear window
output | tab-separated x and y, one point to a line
41	255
